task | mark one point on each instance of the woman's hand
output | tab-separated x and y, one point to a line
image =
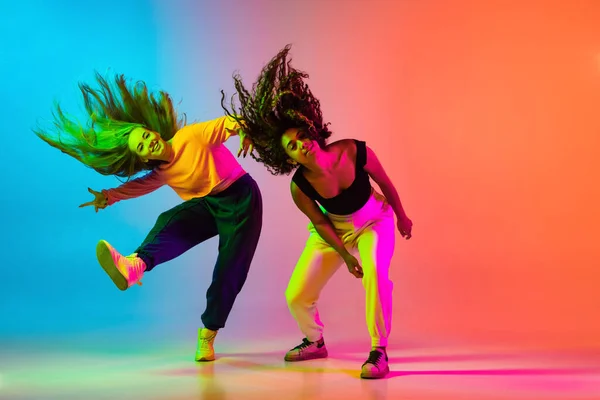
246	144
353	265
99	202
405	227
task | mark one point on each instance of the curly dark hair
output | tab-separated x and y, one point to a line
113	111
280	100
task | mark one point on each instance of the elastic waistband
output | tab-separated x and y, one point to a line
240	183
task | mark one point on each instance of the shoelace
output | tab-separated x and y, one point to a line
204	341
374	357
305	343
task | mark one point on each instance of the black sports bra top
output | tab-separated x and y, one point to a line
350	199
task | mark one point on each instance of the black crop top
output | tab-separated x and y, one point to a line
349	200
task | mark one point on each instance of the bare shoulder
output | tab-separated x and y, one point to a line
347	146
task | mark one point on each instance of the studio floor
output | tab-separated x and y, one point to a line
159	371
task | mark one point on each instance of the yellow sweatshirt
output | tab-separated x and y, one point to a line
200	164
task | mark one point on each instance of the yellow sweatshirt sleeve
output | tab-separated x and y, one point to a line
134	188
215	131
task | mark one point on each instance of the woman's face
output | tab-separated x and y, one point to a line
148	145
298	146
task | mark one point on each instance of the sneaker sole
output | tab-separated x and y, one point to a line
205	359
379	375
106	262
306	358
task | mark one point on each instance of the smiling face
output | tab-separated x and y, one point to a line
148	145
298	146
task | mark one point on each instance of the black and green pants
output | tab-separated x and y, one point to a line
235	215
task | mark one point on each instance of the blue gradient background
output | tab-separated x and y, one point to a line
483	113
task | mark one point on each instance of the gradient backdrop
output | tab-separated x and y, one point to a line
485	115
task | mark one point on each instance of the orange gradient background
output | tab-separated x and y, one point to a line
485	116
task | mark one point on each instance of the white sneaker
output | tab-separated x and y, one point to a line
124	271
376	366
307	350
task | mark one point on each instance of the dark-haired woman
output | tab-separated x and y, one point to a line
331	186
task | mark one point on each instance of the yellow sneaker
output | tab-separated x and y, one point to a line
205	350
